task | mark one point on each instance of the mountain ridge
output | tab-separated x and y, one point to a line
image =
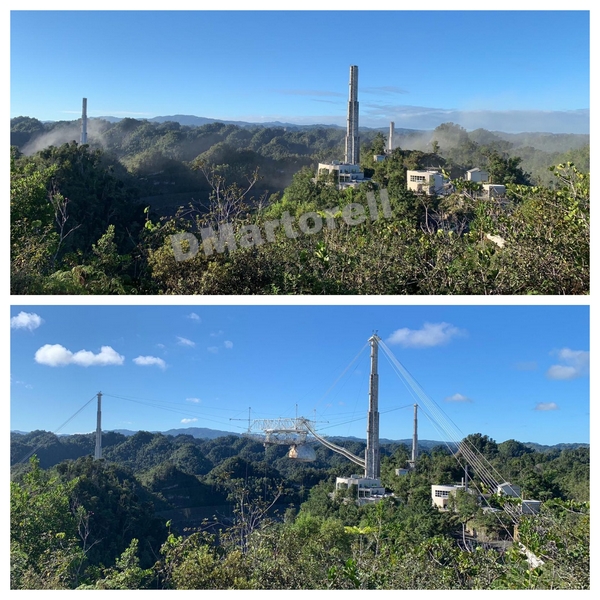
211	434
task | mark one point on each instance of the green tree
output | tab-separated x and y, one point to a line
505	170
44	532
125	575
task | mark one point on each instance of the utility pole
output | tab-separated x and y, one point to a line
98	451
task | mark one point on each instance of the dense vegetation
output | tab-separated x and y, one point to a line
98	218
163	512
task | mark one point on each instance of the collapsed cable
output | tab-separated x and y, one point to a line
32	452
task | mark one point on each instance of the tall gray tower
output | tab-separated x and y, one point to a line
391	138
415	441
352	139
372	462
98	449
84	122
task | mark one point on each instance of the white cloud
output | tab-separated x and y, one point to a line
546	406
228	344
562	372
384	90
575	363
25	320
194	400
213	349
194	317
150	361
185	342
189	420
18	382
458	398
431	334
307	92
217	333
55	355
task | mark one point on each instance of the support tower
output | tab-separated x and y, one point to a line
415	441
98	450
84	122
352	139
372	466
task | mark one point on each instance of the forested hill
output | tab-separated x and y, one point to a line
99	218
184	137
164	512
51	448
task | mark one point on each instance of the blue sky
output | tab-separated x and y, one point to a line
505	70
505	371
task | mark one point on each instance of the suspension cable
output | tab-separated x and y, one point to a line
32	452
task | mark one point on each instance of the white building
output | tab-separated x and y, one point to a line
494	190
347	175
477	175
441	493
428	182
509	489
367	488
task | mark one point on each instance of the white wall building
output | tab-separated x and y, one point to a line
509	489
347	175
427	182
477	175
494	190
368	489
441	493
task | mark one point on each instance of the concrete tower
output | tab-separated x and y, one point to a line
98	450
372	461
84	122
415	440
352	139
391	138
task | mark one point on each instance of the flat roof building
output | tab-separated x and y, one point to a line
428	182
368	489
441	493
346	175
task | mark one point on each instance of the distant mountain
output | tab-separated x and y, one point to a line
548	142
559	447
203	433
200	432
423	444
206	433
194	121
